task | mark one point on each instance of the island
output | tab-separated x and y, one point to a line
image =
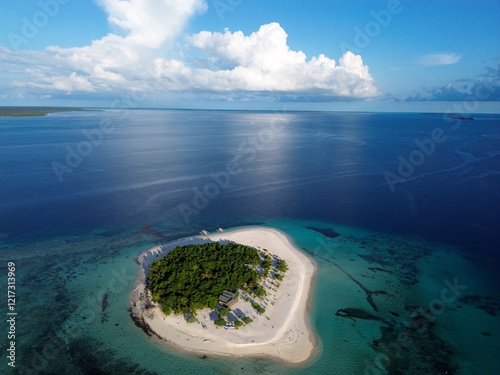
462	118
242	292
35	111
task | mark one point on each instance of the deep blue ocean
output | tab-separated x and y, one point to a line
82	193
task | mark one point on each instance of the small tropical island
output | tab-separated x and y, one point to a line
242	292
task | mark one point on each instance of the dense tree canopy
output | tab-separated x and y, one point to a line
192	277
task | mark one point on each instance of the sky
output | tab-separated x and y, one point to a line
390	55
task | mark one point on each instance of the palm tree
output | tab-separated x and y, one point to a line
206	275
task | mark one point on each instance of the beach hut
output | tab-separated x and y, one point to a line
223	300
227	298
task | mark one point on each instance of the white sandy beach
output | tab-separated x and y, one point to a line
282	332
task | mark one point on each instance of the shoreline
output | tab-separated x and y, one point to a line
284	332
27	111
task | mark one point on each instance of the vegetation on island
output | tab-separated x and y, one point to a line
34	111
224	312
282	266
193	277
220	322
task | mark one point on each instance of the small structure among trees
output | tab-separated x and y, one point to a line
227	299
195	276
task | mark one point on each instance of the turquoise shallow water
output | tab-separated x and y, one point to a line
79	322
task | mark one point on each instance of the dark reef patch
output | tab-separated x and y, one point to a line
89	357
146	229
377	269
422	352
398	255
355	313
489	305
104	306
369	293
327	232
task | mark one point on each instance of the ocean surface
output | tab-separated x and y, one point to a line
400	211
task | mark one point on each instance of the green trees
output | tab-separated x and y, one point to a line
166	310
220	322
223	312
266	265
247	320
259	291
192	277
282	266
191	319
238	323
259	308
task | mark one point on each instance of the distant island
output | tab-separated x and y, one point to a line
462	118
241	292
35	111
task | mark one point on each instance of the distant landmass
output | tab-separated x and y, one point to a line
462	118
454	116
35	111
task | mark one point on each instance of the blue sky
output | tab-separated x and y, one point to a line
317	54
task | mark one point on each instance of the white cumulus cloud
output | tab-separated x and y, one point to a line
112	62
213	62
264	62
439	59
151	22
